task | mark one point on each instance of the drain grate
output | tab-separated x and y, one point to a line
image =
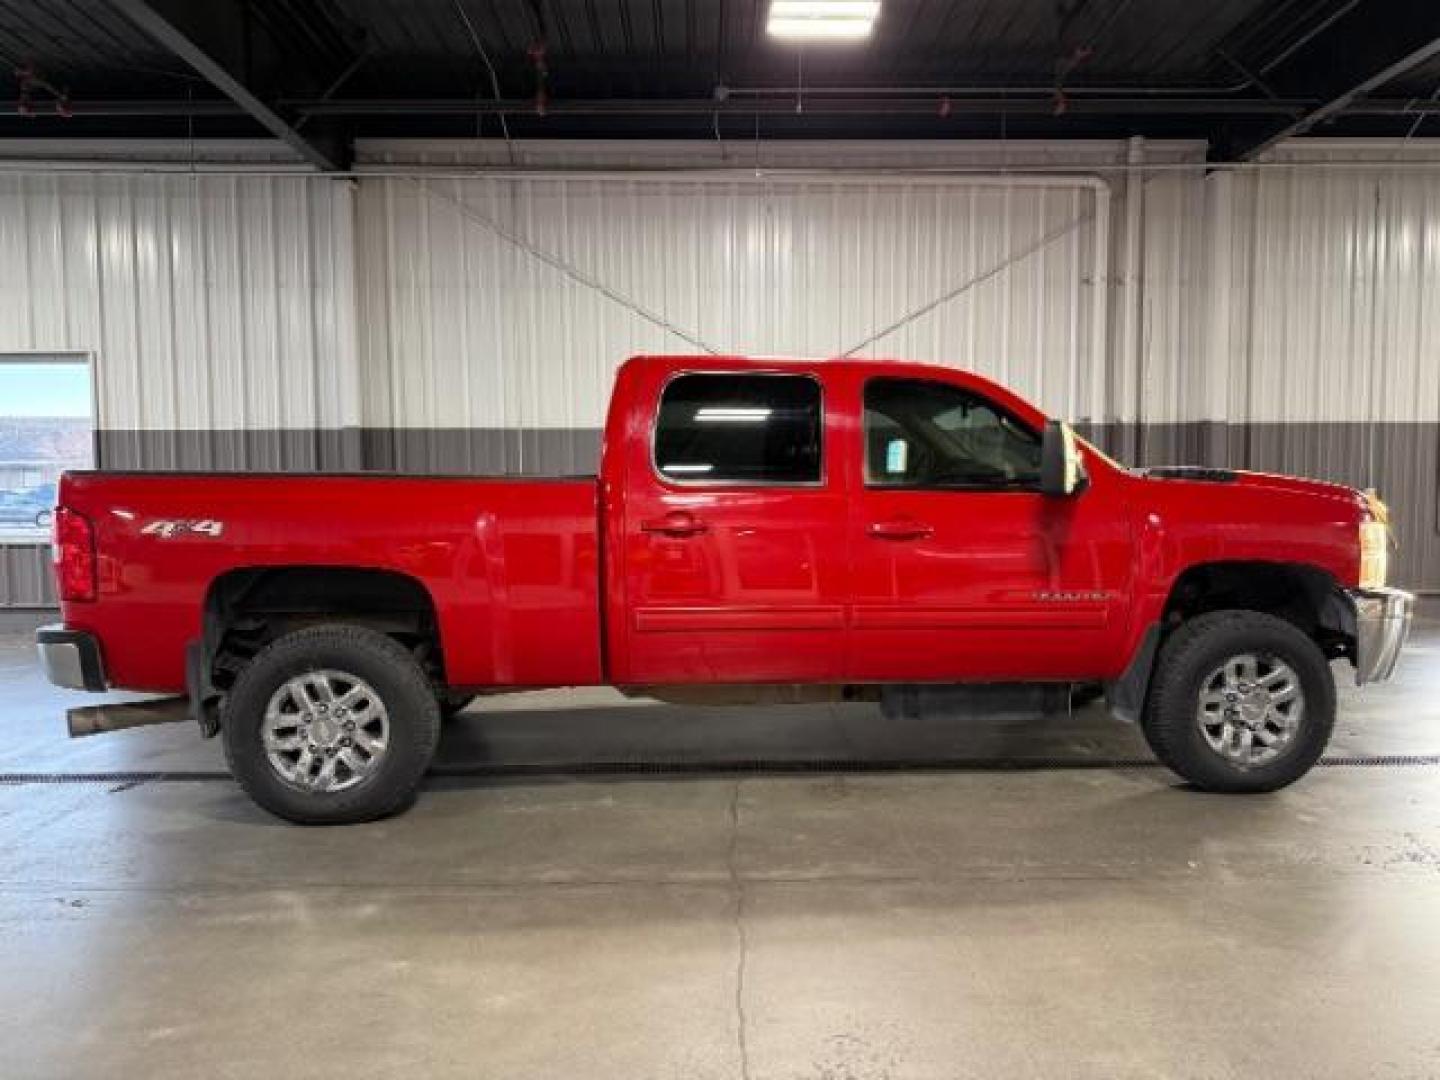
13	779
686	767
1380	761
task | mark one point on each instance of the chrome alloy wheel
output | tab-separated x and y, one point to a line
325	730
1250	709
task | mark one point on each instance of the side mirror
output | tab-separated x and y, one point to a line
1061	470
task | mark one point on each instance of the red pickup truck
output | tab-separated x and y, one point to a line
830	527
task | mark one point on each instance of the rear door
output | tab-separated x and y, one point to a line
962	569
734	534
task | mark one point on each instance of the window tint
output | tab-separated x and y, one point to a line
930	434
745	428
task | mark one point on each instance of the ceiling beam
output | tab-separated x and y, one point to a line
916	104
1356	55
212	38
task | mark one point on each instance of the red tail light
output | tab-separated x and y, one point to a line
74	555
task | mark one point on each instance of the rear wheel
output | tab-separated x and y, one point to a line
331	725
1241	701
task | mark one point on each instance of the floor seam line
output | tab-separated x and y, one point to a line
737	885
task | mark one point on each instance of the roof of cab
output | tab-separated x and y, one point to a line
730	362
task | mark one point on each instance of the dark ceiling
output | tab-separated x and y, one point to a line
319	73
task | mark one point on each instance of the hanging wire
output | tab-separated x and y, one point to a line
570	271
1423	116
190	125
970	283
494	78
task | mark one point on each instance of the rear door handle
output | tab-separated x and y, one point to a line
675	523
900	529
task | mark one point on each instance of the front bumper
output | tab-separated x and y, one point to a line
1382	622
71	658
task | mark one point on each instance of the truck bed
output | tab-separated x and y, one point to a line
511	564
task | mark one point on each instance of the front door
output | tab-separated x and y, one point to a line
733	534
962	570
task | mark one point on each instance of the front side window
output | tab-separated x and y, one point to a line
924	434
761	429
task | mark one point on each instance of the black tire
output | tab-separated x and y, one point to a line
1195	650
398	680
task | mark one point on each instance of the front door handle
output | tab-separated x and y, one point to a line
900	529
675	523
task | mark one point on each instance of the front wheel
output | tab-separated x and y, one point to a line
331	725
1241	701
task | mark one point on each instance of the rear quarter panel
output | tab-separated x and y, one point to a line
511	565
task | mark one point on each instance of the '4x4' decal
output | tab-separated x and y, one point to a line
169	528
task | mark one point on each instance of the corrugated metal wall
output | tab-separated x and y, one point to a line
1284	318
219	312
504	305
1334	331
1290	322
210	304
25	575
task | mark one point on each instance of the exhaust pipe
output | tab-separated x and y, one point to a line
95	719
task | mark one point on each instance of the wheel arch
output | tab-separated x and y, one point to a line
1307	596
248	607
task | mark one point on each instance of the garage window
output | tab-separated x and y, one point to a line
739	428
46	426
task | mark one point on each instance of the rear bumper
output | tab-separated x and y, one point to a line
71	658
1382	622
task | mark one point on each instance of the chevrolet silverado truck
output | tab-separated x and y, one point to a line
823	530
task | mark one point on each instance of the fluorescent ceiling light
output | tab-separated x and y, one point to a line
689	468
825	9
822	20
819	29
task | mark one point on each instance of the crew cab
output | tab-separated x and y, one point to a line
833	527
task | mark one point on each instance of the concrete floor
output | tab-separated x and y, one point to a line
1058	921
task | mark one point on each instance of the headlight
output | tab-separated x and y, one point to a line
1374	545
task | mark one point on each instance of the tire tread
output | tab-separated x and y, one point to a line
1169	722
418	722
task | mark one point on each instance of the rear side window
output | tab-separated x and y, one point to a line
749	429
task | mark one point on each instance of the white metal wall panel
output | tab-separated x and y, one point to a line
1170	380
1332	296
209	303
465	328
1336	295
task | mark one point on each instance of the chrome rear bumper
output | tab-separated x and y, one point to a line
71	658
1382	621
